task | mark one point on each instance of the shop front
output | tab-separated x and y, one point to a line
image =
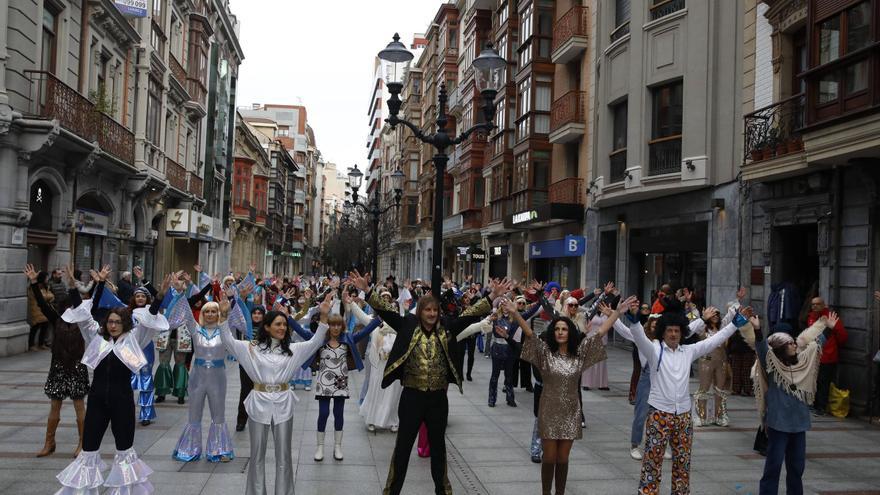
186	233
558	260
91	231
498	258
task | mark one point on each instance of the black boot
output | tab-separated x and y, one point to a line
493	393
510	399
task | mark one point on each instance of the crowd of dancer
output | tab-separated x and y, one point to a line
411	345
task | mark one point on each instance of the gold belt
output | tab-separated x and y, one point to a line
271	387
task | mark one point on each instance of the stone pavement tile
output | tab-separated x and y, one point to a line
179	482
478	440
518	488
329	471
231	484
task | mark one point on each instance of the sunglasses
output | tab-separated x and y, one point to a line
572	305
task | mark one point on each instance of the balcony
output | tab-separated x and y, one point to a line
568	117
774	131
195	185
298	223
664	155
81	116
570	35
499	209
662	8
252	214
198	103
617	170
567	191
299	197
453	103
178	72
453	224
175	174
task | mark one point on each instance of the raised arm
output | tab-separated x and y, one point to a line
484	326
237	348
388	313
357	312
363	332
706	346
518	319
45	307
82	316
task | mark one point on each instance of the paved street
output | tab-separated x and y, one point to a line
487	447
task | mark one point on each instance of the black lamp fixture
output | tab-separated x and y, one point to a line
489	68
374	208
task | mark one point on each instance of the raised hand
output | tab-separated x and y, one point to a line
709	313
326	305
536	286
105	272
756	322
359	281
627	303
346	297
748	312
688	295
500	288
224	302
30	273
606	309
833	318
186	277
877	295
252	267
609	287
166	283
138	272
198	268
509	306
230	292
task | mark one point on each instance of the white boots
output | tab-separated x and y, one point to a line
337	447
319	453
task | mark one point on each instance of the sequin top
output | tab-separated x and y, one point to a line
426	366
559	411
207	344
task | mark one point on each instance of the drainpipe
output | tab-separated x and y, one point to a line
83	46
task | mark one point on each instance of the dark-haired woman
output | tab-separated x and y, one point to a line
669	416
561	355
142	381
114	352
38	320
271	360
67	376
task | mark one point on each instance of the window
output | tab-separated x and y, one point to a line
49	47
666	118
664	149
541	168
843	69
621	12
618	115
154	111
41	206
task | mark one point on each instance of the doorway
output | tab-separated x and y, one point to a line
796	261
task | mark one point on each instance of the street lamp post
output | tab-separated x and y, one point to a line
488	66
374	208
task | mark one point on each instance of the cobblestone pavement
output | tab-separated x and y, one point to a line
488	448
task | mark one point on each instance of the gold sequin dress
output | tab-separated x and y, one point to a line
559	412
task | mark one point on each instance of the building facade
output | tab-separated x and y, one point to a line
251	175
811	105
103	137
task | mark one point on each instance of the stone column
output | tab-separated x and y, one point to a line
14	217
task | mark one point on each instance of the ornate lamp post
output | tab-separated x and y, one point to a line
374	208
488	66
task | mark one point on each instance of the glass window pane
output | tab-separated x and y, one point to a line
829	40
858	26
621	12
857	77
828	88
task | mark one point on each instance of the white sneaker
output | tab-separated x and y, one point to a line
371	428
667	454
636	454
394	429
308	388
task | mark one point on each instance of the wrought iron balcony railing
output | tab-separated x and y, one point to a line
195	185
664	155
774	130
568	191
617	171
567	109
665	7
79	115
572	23
175	174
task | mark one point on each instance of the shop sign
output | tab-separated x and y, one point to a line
177	223
476	255
525	216
461	252
91	222
500	250
201	227
572	245
132	8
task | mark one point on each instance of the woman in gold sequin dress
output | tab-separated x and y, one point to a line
561	354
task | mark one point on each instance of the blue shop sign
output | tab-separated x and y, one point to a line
572	245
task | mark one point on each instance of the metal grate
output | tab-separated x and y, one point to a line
455	464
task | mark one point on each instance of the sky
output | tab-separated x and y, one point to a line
321	54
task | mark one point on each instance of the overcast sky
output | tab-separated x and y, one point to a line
321	53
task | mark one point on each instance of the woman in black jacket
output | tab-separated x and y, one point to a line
67	376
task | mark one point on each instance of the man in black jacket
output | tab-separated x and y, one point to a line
425	358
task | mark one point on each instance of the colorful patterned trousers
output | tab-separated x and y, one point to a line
678	431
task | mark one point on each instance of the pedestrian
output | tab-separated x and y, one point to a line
714	374
68	377
114	353
425	359
560	356
142	381
253	319
333	361
125	288
830	354
207	382
788	384
39	331
669	419
270	360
